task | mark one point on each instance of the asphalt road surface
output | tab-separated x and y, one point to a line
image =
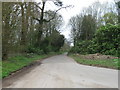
63	72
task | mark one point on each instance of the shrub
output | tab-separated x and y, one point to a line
106	41
35	50
83	47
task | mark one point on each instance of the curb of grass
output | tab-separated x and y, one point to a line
100	66
27	67
106	67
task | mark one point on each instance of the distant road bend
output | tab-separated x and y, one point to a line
63	72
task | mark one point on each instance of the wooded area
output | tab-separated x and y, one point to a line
97	29
30	32
28	28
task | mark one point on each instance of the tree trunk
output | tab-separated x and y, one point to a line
23	37
118	5
40	31
5	44
23	29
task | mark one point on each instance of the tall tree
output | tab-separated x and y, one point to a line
110	18
23	31
6	28
41	19
20	29
88	27
118	8
76	23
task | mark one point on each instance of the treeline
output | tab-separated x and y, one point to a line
96	29
28	28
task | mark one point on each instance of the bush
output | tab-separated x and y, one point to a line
35	50
74	50
83	47
106	41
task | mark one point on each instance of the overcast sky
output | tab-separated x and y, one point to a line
78	6
69	12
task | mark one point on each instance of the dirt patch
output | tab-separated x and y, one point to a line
97	56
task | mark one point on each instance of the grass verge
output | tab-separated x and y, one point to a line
18	62
0	70
112	63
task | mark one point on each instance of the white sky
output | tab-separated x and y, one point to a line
69	12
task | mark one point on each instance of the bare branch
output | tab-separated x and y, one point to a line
56	13
37	5
37	19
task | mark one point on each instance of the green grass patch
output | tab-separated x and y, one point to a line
0	69
18	62
112	63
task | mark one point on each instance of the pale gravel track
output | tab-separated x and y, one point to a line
62	71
